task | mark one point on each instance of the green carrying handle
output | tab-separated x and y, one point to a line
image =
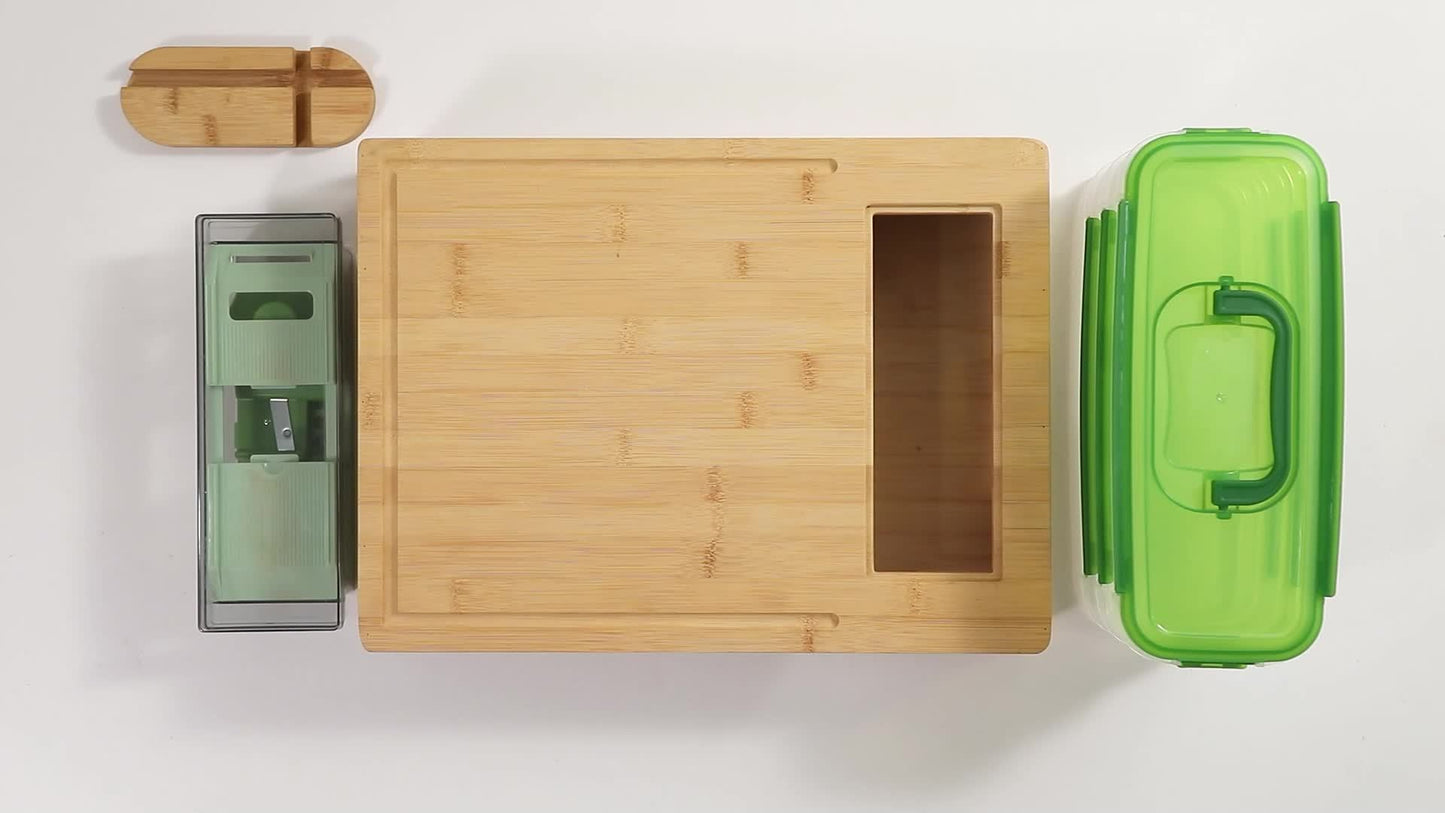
1229	301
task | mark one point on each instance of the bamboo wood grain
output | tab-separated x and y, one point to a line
762	395
247	97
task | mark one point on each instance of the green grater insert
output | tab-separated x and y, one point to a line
1210	397
268	293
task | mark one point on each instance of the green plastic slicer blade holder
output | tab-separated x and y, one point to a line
268	293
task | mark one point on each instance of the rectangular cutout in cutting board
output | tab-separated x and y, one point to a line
935	487
620	395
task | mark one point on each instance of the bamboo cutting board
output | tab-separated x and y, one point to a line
779	395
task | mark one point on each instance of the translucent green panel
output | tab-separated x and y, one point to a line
268	296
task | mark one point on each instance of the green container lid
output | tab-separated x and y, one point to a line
1211	397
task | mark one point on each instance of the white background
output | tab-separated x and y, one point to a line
110	699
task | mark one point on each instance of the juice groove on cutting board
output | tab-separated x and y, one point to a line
620	395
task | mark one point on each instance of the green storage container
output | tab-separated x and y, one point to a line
272	421
1210	397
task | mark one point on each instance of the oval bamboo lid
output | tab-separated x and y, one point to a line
248	97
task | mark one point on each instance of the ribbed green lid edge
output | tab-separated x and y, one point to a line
1332	424
1088	442
1120	386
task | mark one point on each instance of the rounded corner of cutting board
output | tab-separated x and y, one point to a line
372	632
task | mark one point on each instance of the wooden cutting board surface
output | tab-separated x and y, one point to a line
621	395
